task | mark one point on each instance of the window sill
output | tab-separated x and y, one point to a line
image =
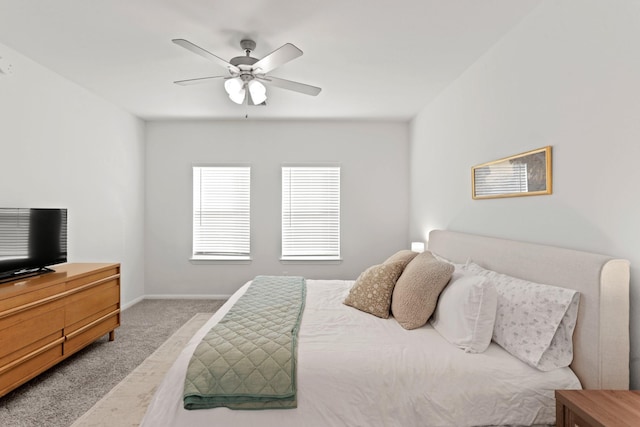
220	260
310	260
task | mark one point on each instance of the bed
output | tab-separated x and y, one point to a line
355	369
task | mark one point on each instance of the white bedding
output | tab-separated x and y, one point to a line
355	369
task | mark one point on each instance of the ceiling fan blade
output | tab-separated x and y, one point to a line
282	55
206	54
198	80
289	85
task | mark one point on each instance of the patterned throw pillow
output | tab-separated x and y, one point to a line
372	290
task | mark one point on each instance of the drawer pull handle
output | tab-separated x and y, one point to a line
31	355
56	297
77	332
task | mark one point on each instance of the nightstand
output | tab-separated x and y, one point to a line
597	408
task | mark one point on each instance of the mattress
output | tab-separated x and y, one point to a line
355	369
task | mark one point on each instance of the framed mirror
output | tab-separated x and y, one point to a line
525	174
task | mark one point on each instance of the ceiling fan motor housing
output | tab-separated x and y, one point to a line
243	60
248	46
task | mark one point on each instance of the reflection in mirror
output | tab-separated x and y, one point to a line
526	174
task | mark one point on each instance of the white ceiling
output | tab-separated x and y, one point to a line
376	59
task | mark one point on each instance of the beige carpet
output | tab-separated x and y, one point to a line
127	402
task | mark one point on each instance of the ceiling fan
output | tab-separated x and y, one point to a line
247	75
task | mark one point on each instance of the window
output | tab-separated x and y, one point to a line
221	212
310	213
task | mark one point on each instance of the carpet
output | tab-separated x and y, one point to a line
127	402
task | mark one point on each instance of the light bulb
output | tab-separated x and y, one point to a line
238	97
235	89
233	85
258	92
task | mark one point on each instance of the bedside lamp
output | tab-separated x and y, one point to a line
417	246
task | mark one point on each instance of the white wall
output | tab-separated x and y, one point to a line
567	76
374	196
61	146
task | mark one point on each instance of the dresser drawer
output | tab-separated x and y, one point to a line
92	303
93	278
22	370
28	298
90	332
27	331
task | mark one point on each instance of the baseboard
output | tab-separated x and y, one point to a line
123	307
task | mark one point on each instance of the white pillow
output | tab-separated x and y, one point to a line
534	322
466	312
443	259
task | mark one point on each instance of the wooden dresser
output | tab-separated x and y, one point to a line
44	319
597	408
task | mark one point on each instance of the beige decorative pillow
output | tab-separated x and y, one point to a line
416	292
372	290
404	255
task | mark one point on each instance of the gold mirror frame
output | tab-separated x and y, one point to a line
525	174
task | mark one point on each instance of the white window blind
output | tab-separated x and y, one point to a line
221	212
310	212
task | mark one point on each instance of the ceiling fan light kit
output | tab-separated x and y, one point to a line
258	92
247	75
235	89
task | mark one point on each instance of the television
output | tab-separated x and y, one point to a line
31	240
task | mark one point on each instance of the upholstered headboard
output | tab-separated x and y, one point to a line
601	337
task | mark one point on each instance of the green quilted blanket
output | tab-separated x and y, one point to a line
248	360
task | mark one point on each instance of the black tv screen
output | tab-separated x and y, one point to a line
31	240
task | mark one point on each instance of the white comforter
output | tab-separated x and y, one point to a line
355	369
